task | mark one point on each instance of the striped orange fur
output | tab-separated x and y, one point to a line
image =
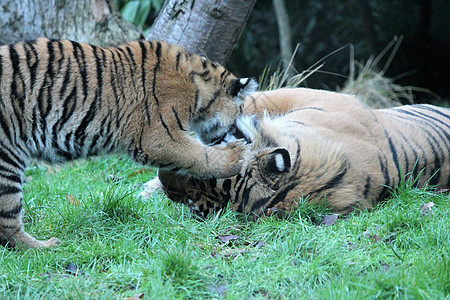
61	100
323	145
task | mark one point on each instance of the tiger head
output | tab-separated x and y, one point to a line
265	173
261	183
219	100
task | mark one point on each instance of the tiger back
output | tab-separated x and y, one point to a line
320	145
61	100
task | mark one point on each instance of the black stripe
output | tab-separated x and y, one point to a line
17	97
131	63
123	74
367	187
394	155
203	109
245	197
113	80
9	157
242	184
8	190
131	57
165	127
99	71
414	153
32	66
155	70
405	161
69	106
177	62
196	100
61	59
11	175
222	76
433	123
178	119
13	213
304	108
87	119
35	125
427	107
436	172
80	58
336	180
298	122
387	180
66	80
143	70
419	119
5	127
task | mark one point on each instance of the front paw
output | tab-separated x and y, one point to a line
150	187
234	159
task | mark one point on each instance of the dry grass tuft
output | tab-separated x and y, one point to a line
365	80
369	84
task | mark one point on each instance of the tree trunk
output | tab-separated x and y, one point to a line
203	26
92	21
284	32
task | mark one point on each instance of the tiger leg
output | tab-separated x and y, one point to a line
187	154
11	224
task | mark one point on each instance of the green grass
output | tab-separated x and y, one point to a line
124	246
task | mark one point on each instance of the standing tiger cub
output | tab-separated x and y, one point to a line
322	145
61	100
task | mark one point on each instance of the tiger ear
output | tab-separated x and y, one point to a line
279	161
242	87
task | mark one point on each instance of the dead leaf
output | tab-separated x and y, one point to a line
425	209
226	238
217	289
72	269
376	238
349	245
113	178
258	244
368	235
73	200
329	220
385	267
443	191
229	254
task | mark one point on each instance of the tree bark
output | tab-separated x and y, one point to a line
200	26
203	26
93	21
284	32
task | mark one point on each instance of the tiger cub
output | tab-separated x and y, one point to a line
61	100
322	145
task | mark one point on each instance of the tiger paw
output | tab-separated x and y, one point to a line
37	244
150	187
231	158
49	243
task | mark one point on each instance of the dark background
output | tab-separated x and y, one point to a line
320	27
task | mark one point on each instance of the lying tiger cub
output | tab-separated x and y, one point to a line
322	145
